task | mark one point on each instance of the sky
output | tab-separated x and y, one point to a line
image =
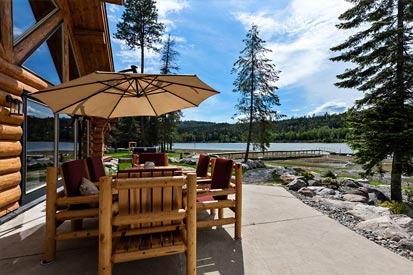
209	37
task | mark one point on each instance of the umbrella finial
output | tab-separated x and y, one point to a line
133	69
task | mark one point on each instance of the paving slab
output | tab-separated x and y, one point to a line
281	235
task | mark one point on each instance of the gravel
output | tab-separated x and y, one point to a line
351	221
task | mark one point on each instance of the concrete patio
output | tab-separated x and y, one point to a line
281	235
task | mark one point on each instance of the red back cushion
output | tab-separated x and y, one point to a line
222	175
73	172
96	169
157	158
202	166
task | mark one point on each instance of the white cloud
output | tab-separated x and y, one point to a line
167	6
299	35
330	107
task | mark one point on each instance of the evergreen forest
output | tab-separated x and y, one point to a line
326	128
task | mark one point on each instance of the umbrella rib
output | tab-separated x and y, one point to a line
120	98
95	93
145	94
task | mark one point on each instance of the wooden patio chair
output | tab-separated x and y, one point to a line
95	168
160	159
67	205
154	220
214	194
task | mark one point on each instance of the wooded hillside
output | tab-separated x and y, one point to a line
326	128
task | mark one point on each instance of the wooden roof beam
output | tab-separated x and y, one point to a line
116	2
90	36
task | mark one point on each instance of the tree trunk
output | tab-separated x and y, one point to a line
396	178
249	130
397	164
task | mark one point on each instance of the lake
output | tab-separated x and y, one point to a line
342	148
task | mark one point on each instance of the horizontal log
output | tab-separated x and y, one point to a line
3	95
10	148
9	208
14	86
86	233
147	230
77	200
120	219
215	204
10	165
147	253
8	132
6	118
211	223
17	72
77	214
10	196
215	192
131	183
10	180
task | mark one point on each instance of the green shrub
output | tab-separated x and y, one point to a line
306	175
331	182
329	174
396	207
409	192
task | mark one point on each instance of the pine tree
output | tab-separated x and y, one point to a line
169	121
256	77
381	50
140	27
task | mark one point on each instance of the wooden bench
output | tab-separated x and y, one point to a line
154	219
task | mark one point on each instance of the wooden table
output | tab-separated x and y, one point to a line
157	171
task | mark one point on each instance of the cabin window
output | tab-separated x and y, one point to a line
29	14
47	60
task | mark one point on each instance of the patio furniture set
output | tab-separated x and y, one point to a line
142	212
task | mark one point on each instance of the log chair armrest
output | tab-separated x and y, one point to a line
77	200
215	192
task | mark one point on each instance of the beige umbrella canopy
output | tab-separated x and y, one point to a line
112	95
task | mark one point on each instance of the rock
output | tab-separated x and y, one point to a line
355	198
372	199
316	182
306	192
367	212
287	178
359	191
296	184
351	183
405	222
384	227
406	244
322	191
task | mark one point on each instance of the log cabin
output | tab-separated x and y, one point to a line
44	43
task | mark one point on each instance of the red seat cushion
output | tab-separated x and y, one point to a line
202	199
73	172
157	158
222	175
96	169
202	166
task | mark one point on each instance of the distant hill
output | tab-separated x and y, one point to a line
326	128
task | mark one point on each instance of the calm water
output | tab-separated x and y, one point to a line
44	146
333	147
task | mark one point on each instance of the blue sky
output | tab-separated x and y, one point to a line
209	34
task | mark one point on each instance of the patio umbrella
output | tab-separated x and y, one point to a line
111	95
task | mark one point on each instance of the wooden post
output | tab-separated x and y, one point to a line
50	240
191	223
238	197
105	226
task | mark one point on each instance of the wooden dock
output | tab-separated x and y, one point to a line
273	155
